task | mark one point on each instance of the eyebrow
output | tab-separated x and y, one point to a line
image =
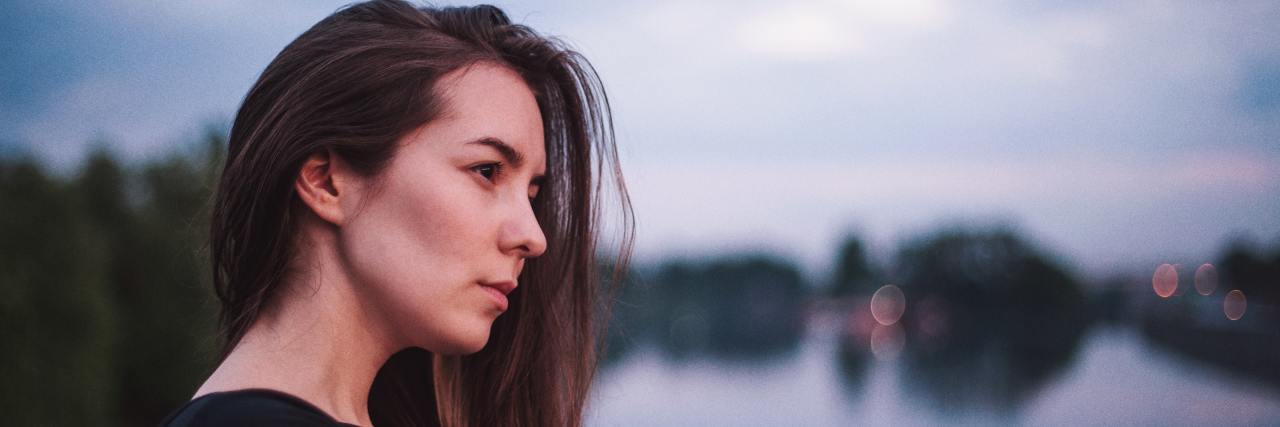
509	153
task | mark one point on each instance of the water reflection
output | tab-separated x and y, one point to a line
978	326
852	360
990	320
887	341
988	363
991	364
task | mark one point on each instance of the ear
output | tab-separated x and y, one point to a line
324	185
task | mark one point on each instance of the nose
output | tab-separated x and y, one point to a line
522	234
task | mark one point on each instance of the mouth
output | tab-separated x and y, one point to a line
505	286
498	291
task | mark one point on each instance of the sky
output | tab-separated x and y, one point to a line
1117	134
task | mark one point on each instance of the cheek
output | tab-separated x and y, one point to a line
400	232
409	252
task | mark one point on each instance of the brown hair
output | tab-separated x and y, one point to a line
355	83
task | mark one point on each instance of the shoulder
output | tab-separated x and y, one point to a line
248	408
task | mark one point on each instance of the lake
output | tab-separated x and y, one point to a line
1114	377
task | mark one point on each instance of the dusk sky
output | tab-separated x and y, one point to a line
1117	134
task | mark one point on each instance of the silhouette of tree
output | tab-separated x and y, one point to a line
106	299
1014	318
747	307
1252	270
58	321
854	274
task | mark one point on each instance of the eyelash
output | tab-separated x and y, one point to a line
495	170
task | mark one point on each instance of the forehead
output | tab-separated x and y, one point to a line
489	100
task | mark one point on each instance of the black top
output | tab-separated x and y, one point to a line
250	407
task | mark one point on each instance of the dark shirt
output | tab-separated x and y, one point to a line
251	407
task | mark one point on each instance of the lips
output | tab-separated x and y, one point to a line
505	286
499	291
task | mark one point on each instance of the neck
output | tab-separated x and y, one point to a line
319	344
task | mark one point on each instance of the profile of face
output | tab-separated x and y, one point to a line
434	241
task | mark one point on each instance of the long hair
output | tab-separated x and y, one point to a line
357	82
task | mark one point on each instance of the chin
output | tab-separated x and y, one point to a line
463	345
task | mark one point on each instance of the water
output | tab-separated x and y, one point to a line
1114	378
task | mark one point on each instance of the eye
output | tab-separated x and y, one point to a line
488	170
535	187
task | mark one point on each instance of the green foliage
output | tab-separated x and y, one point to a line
107	311
58	323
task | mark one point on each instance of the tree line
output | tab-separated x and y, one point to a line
108	312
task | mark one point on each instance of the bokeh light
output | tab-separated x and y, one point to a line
888	304
861	323
1165	281
1206	279
887	341
1234	304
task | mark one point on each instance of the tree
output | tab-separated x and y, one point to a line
854	273
997	298
58	323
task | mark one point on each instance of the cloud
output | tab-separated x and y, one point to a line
826	30
141	75
1104	126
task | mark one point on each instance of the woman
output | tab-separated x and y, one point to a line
404	232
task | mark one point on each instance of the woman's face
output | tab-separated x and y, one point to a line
442	233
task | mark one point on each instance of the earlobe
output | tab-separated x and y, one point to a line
316	186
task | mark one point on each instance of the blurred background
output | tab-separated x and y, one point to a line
848	212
